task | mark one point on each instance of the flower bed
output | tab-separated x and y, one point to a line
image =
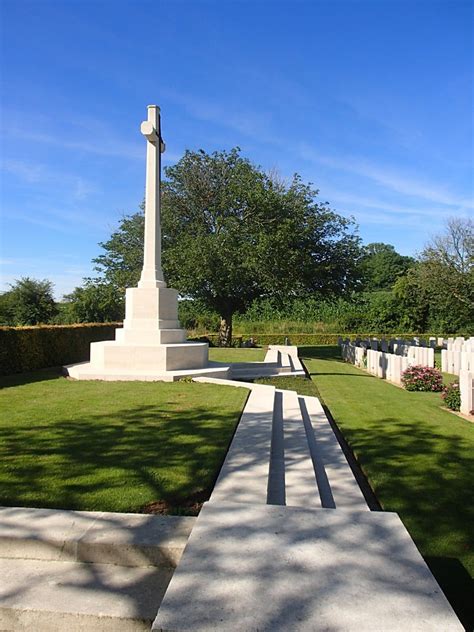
422	378
452	396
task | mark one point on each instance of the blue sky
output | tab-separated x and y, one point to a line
371	101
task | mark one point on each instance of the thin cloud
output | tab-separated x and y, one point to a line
396	209
35	173
396	182
104	145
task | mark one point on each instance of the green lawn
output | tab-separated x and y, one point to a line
111	446
419	460
230	354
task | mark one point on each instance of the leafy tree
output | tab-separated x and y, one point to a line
439	291
28	302
94	303
121	263
7	309
231	234
382	265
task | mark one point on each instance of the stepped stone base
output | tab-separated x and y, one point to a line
111	355
151	346
87	371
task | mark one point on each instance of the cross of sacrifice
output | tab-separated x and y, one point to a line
152	275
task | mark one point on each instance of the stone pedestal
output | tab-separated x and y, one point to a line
150	346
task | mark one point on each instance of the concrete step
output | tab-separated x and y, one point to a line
272	355
82	536
267	568
244	474
87	371
336	483
51	596
300	481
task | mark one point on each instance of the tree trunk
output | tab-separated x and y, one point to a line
225	330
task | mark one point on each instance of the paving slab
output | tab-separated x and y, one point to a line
244	474
344	491
47	596
268	568
88	536
300	480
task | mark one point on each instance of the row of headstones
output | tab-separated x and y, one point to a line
454	360
400	345
391	345
459	344
388	366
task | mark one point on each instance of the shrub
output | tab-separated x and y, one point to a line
30	348
422	378
452	396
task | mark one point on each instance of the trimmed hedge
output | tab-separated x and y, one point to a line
304	339
29	348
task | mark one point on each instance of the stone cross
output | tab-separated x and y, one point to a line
152	275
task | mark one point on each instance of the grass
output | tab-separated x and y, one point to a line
418	458
111	446
302	385
230	354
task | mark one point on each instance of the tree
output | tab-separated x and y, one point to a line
382	265
28	302
439	290
121	263
232	233
94	303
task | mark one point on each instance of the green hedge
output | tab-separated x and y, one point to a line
30	348
306	339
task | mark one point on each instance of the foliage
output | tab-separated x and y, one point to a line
28	302
452	396
195	315
422	378
381	265
30	348
122	260
232	234
94	303
438	293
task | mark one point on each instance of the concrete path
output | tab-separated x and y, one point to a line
284	452
286	541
